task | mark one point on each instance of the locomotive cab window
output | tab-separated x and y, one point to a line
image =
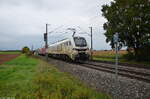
80	41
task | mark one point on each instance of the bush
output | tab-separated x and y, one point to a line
143	55
25	50
129	56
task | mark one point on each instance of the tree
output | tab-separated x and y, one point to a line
131	19
25	50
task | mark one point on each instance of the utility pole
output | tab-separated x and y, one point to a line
91	43
46	41
115	38
32	49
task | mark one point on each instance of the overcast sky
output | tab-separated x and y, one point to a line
22	22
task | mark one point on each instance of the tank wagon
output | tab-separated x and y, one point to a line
74	48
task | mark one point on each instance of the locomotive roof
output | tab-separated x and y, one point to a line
63	40
60	41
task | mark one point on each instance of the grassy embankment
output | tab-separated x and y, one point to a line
31	78
110	56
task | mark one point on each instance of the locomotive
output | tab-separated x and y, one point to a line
74	48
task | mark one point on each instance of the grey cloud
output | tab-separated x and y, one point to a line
22	22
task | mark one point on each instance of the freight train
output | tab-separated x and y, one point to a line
74	48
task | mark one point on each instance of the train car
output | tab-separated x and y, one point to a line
74	48
42	51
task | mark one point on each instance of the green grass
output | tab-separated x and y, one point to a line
6	52
121	59
26	77
16	76
22	60
59	85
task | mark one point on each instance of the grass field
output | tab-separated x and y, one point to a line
7	52
26	77
110	56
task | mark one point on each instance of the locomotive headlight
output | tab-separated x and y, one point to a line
74	49
87	51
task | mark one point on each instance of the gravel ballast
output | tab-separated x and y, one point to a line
104	82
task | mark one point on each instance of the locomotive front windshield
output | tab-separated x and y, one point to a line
80	41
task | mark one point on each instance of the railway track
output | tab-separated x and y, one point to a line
130	72
124	64
141	74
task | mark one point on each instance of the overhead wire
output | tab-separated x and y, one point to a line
56	29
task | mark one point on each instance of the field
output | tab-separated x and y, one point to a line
29	78
9	52
7	57
110	57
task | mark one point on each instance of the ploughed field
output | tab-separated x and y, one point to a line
7	57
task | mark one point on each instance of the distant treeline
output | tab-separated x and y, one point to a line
10	50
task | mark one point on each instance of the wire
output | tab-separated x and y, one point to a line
82	30
56	29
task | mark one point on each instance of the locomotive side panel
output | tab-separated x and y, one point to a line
75	50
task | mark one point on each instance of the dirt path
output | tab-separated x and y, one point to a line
7	57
